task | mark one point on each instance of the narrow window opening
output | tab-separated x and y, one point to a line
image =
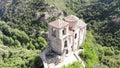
64	31
66	51
53	32
75	36
65	44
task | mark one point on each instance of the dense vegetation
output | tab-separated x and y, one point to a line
23	29
103	20
96	55
102	16
21	33
19	58
90	52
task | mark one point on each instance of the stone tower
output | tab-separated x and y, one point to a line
65	37
58	35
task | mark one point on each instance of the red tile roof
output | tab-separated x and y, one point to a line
74	21
80	24
58	23
71	18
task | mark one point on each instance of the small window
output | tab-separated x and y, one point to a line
65	44
53	32
64	31
75	36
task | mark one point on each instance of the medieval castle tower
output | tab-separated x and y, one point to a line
65	36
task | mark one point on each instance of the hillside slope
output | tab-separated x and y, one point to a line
24	25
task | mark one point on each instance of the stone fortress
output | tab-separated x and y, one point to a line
65	38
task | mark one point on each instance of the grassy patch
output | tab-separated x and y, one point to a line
74	65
